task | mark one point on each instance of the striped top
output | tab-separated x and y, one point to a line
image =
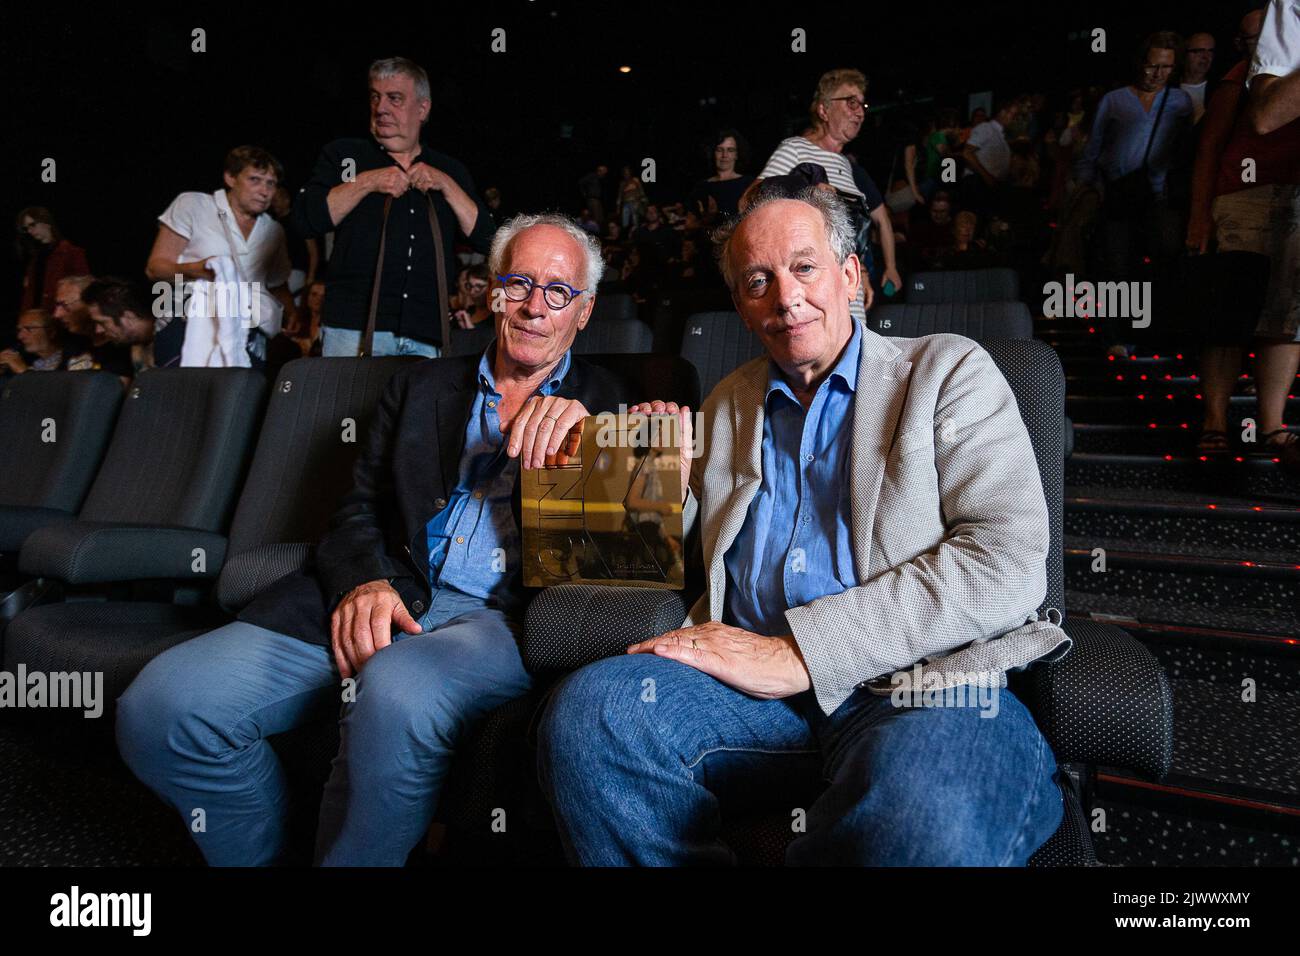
789	153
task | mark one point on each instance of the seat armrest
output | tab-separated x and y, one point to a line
94	552
1106	702
572	625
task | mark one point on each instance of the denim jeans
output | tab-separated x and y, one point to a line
193	727
336	343
641	755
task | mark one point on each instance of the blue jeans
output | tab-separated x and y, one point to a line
643	781
343	343
193	727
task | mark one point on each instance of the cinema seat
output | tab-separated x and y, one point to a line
963	285
975	320
54	428
1108	702
717	343
315	422
614	306
602	336
471	341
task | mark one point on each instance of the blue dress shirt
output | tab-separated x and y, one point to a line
474	545
796	544
1120	133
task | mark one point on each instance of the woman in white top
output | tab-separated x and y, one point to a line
234	223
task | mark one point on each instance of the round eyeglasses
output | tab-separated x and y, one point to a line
557	294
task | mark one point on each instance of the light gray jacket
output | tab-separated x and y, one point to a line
949	524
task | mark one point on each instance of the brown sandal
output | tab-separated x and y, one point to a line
1212	442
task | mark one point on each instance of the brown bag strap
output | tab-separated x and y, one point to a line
440	272
368	337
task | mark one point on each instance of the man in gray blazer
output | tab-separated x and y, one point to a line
874	537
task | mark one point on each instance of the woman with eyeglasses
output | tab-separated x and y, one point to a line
47	258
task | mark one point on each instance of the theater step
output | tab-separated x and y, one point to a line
1165	619
1189	573
1236	716
1162	404
1252	476
1174	518
1155	438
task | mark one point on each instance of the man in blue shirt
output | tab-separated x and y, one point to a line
869	508
415	597
1143	122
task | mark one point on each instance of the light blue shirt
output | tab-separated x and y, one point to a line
797	541
474	542
1120	133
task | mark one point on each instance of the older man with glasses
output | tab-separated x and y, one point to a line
416	600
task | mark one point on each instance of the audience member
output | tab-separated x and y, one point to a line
41	346
1255	228
367	190
229	241
47	257
304	254
591	188
1274	75
1130	151
631	200
718	197
85	344
1196	72
988	159
837	112
122	318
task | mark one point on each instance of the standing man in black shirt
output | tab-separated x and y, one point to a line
346	194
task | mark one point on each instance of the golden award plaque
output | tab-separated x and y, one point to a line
613	514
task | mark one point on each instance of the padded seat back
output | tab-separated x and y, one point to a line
613	306
1033	370
613	335
317	420
180	448
717	343
54	427
471	341
975	320
963	285
655	376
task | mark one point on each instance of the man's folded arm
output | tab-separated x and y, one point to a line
985	578
354	550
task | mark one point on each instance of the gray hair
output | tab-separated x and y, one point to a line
593	267
840	234
393	66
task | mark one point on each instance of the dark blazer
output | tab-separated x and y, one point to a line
404	476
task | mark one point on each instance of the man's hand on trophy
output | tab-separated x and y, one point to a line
547	431
683	414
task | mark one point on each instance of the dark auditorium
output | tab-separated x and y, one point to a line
530	342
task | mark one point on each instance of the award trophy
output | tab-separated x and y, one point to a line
613	513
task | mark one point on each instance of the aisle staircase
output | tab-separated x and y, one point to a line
1199	558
